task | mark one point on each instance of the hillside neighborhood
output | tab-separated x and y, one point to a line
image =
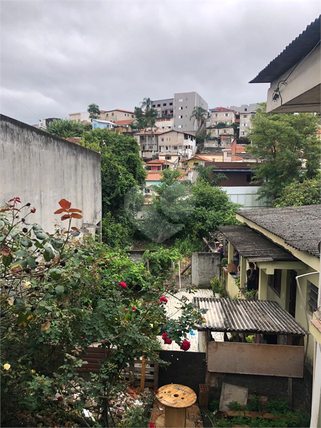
160	266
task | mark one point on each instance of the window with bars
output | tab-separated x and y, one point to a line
312	297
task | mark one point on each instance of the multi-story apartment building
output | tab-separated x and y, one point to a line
180	108
167	143
221	115
246	112
184	103
164	107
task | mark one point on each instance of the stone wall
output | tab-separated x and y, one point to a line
205	267
43	169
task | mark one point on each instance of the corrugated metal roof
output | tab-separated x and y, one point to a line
300	227
292	54
251	316
253	246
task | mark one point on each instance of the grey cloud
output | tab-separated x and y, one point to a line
57	57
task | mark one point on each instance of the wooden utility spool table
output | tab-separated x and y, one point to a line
176	399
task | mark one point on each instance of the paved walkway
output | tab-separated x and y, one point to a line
173	312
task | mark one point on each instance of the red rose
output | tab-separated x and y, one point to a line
185	345
122	284
134	308
151	425
163	299
164	336
168	341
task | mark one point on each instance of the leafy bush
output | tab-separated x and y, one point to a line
218	287
254	405
58	296
234	405
214	405
276	407
160	261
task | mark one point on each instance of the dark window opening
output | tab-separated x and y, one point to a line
274	281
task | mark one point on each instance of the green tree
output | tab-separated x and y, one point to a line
121	166
146	117
206	174
296	193
67	128
280	142
200	114
94	111
184	211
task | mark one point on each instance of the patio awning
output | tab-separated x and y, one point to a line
253	246
248	316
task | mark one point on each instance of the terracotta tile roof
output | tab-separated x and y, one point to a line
154	176
156	161
117	109
124	122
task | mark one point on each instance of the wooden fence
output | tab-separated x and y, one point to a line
132	375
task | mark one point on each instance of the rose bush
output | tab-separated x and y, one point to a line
58	296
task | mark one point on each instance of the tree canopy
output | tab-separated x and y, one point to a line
94	111
67	128
185	211
145	115
287	148
200	114
298	193
121	166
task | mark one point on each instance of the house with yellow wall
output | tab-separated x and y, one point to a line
283	244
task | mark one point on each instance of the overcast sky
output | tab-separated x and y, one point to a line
59	56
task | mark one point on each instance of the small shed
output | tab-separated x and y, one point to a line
277	349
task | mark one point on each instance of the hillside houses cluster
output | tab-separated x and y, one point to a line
173	139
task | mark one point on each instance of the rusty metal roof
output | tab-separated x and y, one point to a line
299	227
298	49
250	316
254	246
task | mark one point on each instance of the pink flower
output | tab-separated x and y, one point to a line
167	341
123	284
134	308
163	299
185	345
164	335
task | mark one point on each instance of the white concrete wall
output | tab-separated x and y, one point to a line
245	196
42	169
